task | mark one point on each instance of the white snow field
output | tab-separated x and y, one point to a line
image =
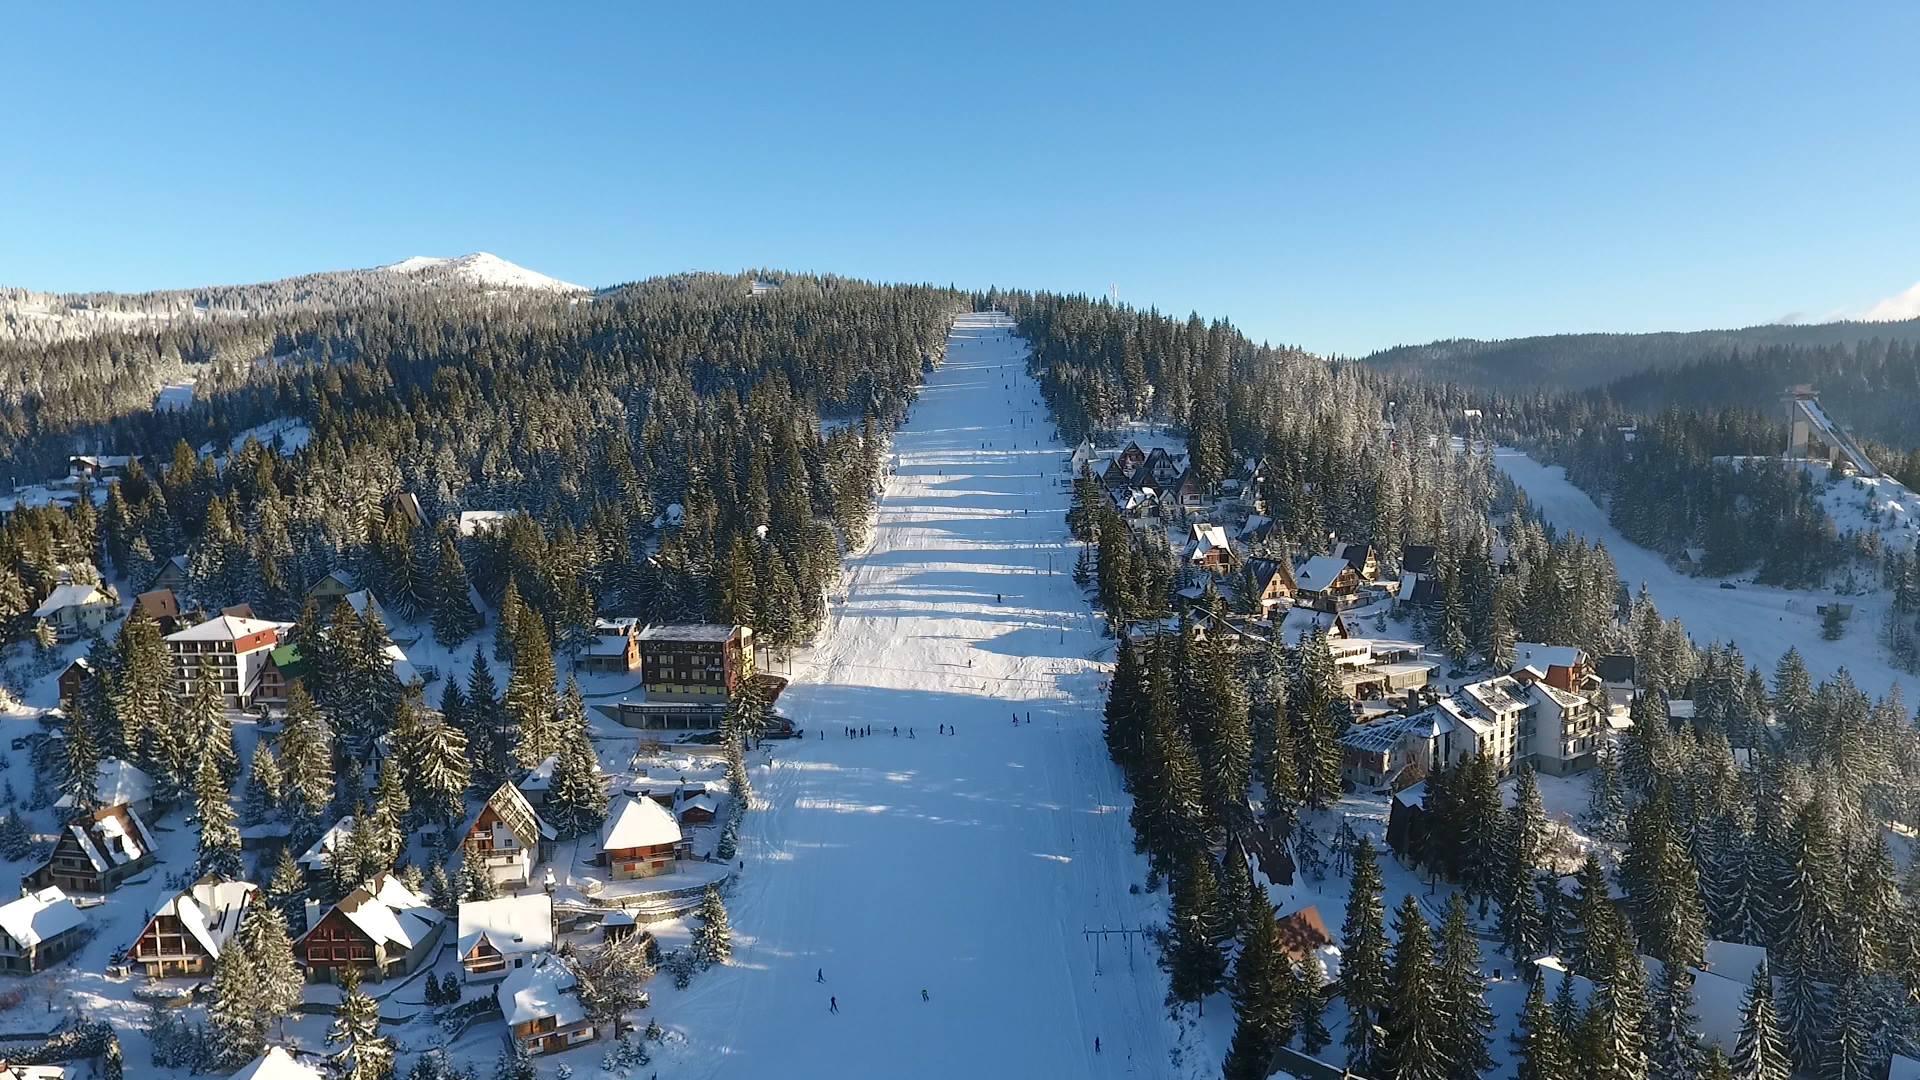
1764	621
964	865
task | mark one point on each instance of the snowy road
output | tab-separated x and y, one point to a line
964	865
1764	621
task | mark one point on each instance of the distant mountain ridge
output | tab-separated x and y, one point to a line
30	316
1582	361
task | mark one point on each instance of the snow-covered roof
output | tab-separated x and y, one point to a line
1904	1068
320	854
538	991
224	628
403	670
1732	960
210	910
475	522
687	632
362	599
277	1064
1301	623
634	823
1319	572
540	777
608	645
40	916
513	809
511	924
701	802
116	782
1497	696
67	596
389	913
1531	652
112	836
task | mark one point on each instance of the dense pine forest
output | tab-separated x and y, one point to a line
1758	819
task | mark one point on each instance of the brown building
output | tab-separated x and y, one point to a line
697	662
615	648
507	837
75	680
640	839
96	852
186	935
162	606
542	1008
382	928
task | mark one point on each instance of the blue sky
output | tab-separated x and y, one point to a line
1340	179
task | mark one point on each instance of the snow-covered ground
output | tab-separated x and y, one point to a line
480	268
1763	621
964	865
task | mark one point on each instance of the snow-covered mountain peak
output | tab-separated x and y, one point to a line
480	268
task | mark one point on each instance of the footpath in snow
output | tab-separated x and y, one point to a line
966	865
1762	620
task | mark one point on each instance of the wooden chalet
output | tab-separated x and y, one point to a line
330	590
1302	934
1208	549
1327	582
39	930
75	679
542	1008
1563	667
1131	457
162	606
406	505
615	648
1364	559
186	935
172	575
96	852
640	839
507	837
1188	492
500	935
382	929
1269	583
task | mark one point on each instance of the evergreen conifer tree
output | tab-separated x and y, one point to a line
712	937
1463	995
1414	1047
1761	1053
364	1054
1363	966
219	839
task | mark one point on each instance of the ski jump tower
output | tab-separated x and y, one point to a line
1807	420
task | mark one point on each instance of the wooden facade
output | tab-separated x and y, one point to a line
694	663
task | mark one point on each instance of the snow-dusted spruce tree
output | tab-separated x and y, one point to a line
264	786
1761	1053
1363	966
364	1053
234	1019
1673	1054
306	757
219	851
577	801
1263	1002
434	757
454	619
1193	956
1539	1043
712	937
80	776
1463	994
279	984
1415	1044
530	699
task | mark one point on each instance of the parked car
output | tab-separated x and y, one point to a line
1726	584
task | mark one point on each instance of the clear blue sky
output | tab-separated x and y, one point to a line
1340	179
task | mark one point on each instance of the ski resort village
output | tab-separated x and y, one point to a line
1108	697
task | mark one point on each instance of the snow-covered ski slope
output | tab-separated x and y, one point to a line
1764	621
964	865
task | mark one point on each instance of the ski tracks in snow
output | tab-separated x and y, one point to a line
966	865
